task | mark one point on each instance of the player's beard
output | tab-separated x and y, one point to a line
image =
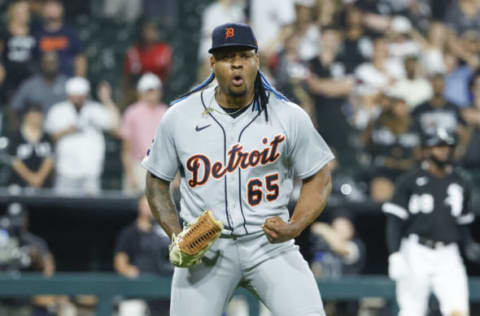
442	164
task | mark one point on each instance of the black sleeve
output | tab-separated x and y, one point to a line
466	215
394	233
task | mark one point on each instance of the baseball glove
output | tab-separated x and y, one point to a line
193	242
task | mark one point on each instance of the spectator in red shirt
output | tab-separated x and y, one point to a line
149	54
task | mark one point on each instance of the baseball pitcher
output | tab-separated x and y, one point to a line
237	145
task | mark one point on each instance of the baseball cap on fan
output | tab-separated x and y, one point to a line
77	86
148	81
233	35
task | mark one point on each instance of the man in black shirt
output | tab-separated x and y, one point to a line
428	218
142	248
437	112
31	151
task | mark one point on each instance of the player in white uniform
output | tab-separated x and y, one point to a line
431	212
237	147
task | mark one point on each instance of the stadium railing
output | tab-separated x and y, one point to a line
107	286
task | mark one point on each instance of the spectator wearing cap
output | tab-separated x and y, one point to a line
77	126
138	129
31	151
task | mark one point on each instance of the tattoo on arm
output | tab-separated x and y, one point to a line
163	209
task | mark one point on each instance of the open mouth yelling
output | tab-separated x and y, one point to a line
237	80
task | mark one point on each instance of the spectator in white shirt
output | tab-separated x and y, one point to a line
414	89
269	18
382	71
77	126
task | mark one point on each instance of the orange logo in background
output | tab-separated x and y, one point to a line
229	32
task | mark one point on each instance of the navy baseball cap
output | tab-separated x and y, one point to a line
232	35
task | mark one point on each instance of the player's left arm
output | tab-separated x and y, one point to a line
311	202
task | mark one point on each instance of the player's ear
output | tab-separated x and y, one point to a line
212	61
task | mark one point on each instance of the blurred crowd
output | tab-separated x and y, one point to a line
374	75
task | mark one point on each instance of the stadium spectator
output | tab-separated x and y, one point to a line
123	10
432	47
139	123
16	48
77	126
130	11
401	44
463	15
149	54
45	88
382	71
31	152
457	76
305	30
269	18
415	89
419	12
330	85
22	252
142	249
337	252
290	72
327	12
54	36
470	153
392	142
437	112
357	44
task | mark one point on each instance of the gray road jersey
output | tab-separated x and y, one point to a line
241	168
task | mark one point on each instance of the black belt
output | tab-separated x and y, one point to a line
432	244
230	236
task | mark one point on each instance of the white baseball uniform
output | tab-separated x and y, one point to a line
433	208
242	169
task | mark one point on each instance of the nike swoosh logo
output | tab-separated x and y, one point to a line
198	129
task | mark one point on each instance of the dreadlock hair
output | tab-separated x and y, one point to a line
261	87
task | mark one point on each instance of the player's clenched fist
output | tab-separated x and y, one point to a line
277	230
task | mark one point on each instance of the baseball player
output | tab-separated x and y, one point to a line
428	218
237	147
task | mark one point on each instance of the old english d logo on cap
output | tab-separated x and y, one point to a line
233	35
229	32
